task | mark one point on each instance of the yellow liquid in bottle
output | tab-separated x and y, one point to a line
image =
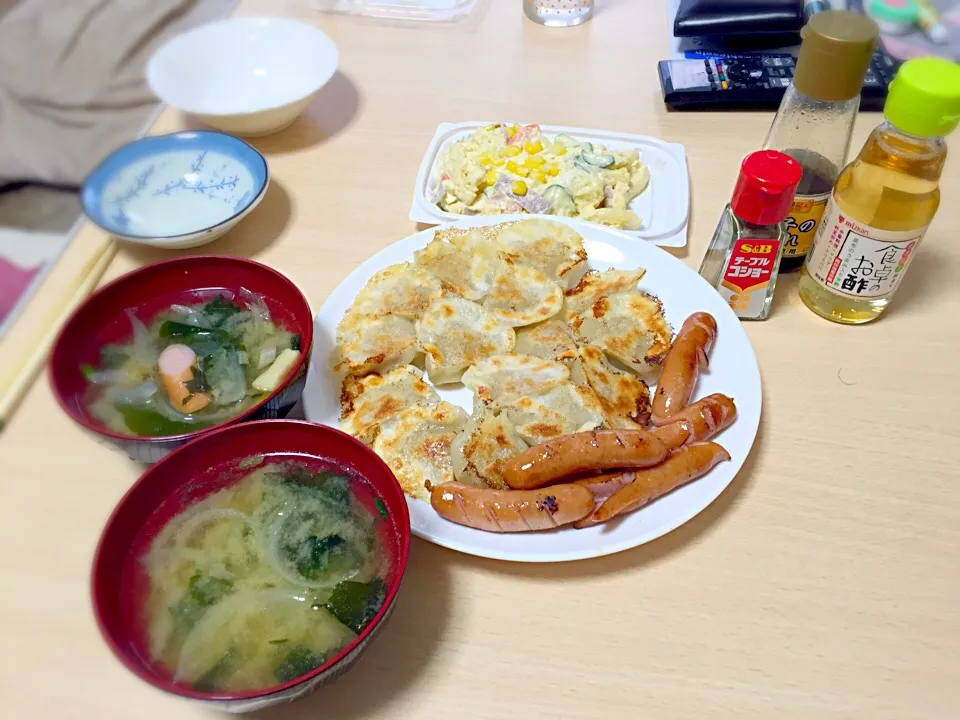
892	185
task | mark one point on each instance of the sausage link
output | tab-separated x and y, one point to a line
705	418
674	435
511	510
681	466
586	452
685	359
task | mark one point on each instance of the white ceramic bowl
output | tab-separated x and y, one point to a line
176	191
245	76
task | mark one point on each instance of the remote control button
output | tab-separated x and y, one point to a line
724	85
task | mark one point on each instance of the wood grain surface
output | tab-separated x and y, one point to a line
824	583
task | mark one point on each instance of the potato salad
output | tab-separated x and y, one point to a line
504	169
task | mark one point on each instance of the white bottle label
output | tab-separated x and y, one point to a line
858	260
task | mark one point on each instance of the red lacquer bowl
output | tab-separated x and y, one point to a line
149	291
195	471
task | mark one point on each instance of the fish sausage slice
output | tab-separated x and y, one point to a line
176	364
681	466
579	453
688	355
511	510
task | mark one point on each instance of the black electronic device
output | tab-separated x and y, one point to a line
754	82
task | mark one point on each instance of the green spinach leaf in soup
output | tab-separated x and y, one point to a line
225	375
355	603
297	662
202	592
218	310
333	489
311	555
145	422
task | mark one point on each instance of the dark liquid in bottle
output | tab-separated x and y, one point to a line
819	174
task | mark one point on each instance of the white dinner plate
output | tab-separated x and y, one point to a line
733	371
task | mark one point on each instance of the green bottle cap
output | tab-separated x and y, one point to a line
895	11
924	97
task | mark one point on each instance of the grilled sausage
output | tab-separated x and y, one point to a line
511	510
686	358
586	452
705	418
681	466
674	435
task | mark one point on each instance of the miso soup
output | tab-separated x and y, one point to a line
265	580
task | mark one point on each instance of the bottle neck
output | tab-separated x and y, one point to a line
748	229
895	142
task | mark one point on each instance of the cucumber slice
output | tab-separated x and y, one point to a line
601	160
587	147
579	162
565	139
560	200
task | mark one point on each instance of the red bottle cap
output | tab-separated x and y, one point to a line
766	186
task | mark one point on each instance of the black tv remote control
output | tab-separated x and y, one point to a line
755	82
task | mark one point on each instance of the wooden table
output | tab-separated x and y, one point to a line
824	583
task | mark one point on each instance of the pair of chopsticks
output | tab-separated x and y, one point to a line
16	384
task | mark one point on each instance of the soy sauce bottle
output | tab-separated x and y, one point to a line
815	119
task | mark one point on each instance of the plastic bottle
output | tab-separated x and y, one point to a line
884	200
816	116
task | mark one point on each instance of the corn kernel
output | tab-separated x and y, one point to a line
512	166
554	171
533	146
511	131
491	177
539	175
511	151
486	163
533	161
561	151
498	162
523	171
519	188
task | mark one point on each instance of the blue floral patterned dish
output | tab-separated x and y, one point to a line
178	190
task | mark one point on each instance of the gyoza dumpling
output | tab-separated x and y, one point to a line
416	445
595	285
455	334
565	409
550	340
625	398
505	377
374	343
482	447
482	246
522	295
402	289
553	248
370	400
466	270
629	327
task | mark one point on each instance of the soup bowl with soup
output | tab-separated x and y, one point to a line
176	348
253	564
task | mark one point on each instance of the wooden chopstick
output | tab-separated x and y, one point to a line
24	372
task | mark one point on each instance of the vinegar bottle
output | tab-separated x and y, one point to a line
884	200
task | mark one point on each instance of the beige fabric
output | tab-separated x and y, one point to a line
72	85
